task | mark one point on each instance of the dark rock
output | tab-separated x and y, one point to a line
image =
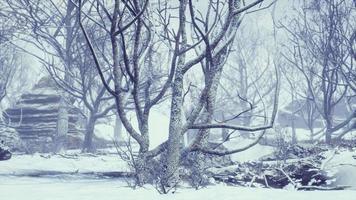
5	153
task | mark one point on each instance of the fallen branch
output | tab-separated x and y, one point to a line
312	187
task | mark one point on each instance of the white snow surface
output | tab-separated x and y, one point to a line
254	153
14	187
47	189
22	164
342	164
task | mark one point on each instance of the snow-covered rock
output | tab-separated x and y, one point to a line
10	137
35	118
342	165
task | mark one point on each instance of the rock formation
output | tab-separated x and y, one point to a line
35	118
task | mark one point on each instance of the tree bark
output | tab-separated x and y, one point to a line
328	134
294	114
88	145
118	130
171	174
175	128
63	119
62	126
141	169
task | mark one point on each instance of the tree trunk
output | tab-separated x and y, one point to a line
62	126
88	145
63	119
224	131
141	169
118	130
171	176
328	135
294	135
328	131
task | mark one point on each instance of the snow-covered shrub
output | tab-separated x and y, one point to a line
10	138
195	165
282	144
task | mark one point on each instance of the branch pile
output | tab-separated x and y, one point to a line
298	173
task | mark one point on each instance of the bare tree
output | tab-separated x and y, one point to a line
48	27
8	56
301	105
320	36
243	88
131	43
62	51
85	88
8	63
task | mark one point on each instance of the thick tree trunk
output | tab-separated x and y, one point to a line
213	79
88	145
63	119
141	169
62	127
328	135
171	168
171	176
202	138
328	131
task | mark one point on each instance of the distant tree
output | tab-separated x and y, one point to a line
301	106
60	48
8	56
246	84
48	27
86	88
321	36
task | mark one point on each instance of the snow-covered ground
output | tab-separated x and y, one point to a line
342	164
16	185
61	189
254	153
25	164
75	162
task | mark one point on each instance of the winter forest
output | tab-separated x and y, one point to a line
177	99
